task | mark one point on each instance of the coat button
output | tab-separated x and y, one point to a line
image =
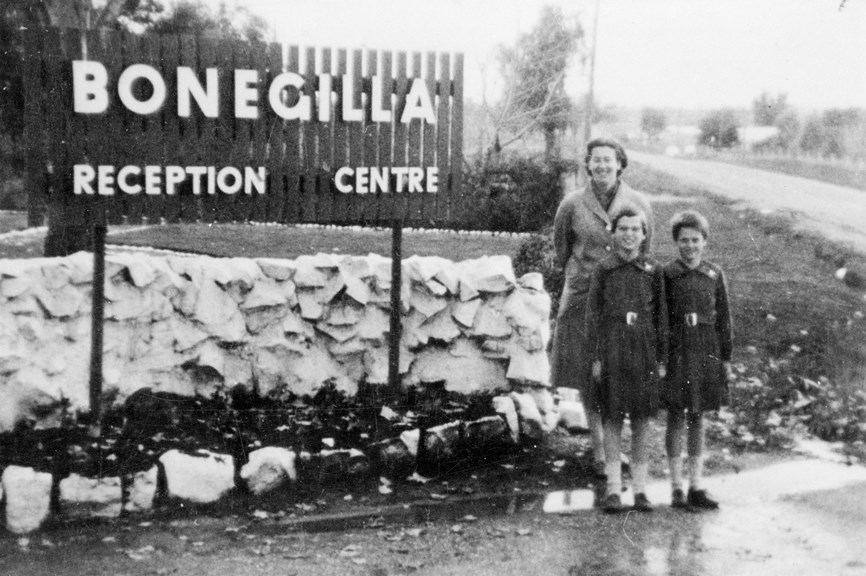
607	248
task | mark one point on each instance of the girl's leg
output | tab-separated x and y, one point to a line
612	434
674	445
640	453
695	449
596	431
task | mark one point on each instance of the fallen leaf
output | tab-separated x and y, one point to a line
261	514
414	532
350	551
469	518
524	531
457	529
436	496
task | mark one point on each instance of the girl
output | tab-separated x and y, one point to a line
626	326
700	362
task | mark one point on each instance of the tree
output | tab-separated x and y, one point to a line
534	78
788	124
653	122
719	129
766	110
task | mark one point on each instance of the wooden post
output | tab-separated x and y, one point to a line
394	383
96	320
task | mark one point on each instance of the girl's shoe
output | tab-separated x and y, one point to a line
678	499
612	504
642	503
700	499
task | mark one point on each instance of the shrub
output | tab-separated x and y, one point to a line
536	254
511	194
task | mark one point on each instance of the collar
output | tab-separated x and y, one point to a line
641	262
678	268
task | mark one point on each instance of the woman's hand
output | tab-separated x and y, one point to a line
729	371
596	370
663	370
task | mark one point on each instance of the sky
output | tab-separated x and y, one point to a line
665	53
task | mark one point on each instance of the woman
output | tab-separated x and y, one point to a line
582	237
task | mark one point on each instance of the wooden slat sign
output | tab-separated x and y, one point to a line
148	128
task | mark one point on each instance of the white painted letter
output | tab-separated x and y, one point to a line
301	109
418	104
246	95
89	93
362	180
196	172
338	179
124	89
254	179
380	114
105	181
82	176
152	180
379	179
206	98
350	114
222	180
433	179
122	179
173	175
400	172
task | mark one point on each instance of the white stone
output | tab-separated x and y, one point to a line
311	306
214	306
546	405
374	324
488	273
532	281
277	269
142	491
263	294
426	303
82	497
14	287
504	406
61	303
532	367
28	498
461	367
441	327
465	312
268	469
200	478
440	442
411	439
490	321
532	425
572	415
568	394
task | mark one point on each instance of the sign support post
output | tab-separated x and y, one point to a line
96	330
394	383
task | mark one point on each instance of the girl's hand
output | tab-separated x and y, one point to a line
663	370
596	370
729	371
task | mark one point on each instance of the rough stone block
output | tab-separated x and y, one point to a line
269	469
572	416
342	465
82	497
142	491
504	406
462	367
28	498
395	459
486	434
441	443
531	423
202	477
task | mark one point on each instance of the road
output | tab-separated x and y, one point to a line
793	518
836	212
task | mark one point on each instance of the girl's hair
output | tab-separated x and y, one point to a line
689	219
628	211
608	143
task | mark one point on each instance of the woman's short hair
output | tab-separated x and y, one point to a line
689	219
628	211
609	143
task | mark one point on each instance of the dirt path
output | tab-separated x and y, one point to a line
836	212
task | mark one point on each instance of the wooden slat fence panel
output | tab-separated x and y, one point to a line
300	157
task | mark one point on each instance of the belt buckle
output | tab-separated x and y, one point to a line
692	319
631	318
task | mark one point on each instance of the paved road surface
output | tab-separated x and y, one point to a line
802	517
837	212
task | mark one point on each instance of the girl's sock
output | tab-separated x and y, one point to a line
676	465
696	472
641	471
614	477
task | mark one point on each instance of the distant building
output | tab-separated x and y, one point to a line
751	136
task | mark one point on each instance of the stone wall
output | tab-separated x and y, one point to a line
200	325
